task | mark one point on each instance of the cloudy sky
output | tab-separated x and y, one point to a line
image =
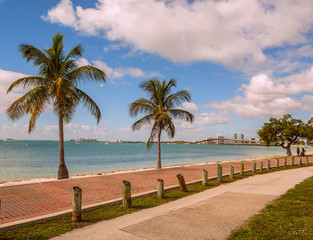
242	61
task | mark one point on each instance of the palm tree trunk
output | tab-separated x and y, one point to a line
62	172
159	166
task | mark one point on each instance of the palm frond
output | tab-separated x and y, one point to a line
86	73
177	98
142	122
181	114
39	107
89	104
149	85
25	82
168	87
70	64
35	98
170	129
67	67
153	134
141	105
75	52
57	47
68	103
33	54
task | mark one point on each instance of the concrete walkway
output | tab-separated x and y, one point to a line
211	214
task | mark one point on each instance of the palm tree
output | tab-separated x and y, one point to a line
160	109
56	84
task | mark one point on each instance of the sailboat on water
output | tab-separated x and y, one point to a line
77	140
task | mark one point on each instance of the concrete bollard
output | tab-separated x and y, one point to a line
268	164
307	160
254	167
76	204
219	173
160	188
300	161
261	166
204	177
181	182
242	169
231	172
126	191
277	163
285	162
292	160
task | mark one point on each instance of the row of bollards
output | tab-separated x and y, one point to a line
126	185
254	169
126	193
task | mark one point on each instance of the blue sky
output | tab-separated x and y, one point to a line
242	61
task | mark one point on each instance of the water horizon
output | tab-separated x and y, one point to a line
32	159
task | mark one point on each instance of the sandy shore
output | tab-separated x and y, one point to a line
51	179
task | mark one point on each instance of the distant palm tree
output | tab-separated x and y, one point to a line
160	109
56	84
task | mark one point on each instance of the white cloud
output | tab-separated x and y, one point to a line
62	13
18	131
6	79
233	33
14	128
82	62
192	107
114	73
264	96
114	47
135	72
212	119
155	74
50	132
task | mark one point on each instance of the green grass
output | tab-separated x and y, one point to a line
55	227
289	217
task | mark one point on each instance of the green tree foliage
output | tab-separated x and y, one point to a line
160	110
282	132
56	85
308	131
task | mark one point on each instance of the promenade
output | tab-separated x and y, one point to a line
208	215
24	202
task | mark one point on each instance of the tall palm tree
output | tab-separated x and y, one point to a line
160	109
56	84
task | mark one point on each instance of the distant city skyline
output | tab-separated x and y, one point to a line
242	61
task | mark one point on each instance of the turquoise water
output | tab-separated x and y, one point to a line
21	160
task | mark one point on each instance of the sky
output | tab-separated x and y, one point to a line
243	61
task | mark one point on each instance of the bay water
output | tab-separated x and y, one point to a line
20	160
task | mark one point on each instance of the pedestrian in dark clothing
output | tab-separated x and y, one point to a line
298	151
303	152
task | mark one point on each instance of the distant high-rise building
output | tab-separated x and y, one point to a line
235	136
241	136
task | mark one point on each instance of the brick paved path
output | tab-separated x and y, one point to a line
31	200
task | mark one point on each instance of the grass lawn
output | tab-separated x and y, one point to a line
289	217
55	227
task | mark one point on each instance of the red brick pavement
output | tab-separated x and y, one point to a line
32	200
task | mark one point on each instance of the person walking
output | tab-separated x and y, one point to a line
298	151
302	152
